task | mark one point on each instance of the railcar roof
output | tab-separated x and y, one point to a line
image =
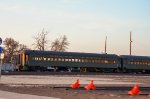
37	52
135	57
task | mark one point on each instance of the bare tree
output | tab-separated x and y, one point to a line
64	43
22	47
55	45
10	46
60	44
41	40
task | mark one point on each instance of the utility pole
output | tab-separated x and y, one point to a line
106	45
130	43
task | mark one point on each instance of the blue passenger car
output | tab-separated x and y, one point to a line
135	63
43	60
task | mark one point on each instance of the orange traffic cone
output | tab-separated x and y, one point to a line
90	86
135	90
75	85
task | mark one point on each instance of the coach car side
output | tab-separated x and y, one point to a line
42	60
136	63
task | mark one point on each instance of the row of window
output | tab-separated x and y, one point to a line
139	63
65	59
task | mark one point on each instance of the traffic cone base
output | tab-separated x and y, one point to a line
75	85
135	90
90	86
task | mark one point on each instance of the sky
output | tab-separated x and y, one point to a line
86	23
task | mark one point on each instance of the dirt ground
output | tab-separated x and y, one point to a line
68	93
42	86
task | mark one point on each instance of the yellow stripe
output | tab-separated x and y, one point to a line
23	57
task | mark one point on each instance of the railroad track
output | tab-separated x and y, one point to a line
122	88
69	73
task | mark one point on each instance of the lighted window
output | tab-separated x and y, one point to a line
106	61
73	60
69	60
59	59
76	60
48	59
52	59
79	60
44	59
